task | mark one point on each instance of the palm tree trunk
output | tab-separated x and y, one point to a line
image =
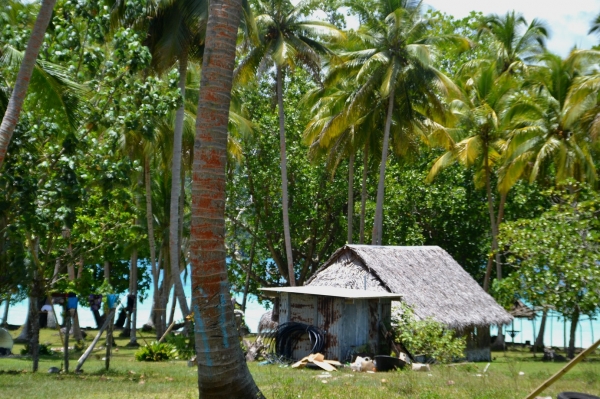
363	194
490	199
222	369
151	242
573	330
539	340
350	196
250	263
498	222
15	104
174	240
378	223
284	181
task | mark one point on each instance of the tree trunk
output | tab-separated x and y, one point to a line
539	340
75	319
494	227
284	181
363	194
15	104
151	242
107	271
5	316
222	369
378	222
133	279
174	240
350	196
573	330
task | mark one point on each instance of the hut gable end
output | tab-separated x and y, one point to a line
427	278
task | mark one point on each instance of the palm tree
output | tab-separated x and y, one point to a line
395	62
595	26
176	32
222	370
557	126
15	104
516	43
478	139
285	39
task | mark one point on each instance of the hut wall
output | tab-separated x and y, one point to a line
478	344
350	326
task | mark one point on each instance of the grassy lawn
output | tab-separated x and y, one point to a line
174	379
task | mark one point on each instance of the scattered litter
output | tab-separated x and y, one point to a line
420	367
324	381
324	375
479	375
370	372
53	370
521	373
486	368
383	380
450	382
142	382
362	364
430	375
319	360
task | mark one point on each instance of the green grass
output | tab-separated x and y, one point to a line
128	378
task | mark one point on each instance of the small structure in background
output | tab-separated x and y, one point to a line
6	343
427	279
350	319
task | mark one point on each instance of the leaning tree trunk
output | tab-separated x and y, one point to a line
284	182
15	104
378	222
572	331
222	369
174	240
539	340
350	196
363	194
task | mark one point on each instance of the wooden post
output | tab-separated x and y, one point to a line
109	338
166	332
66	346
563	371
89	350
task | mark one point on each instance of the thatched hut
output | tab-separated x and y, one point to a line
428	279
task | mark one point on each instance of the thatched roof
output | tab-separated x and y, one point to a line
519	309
427	278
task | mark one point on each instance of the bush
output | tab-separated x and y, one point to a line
155	352
428	337
44	350
186	346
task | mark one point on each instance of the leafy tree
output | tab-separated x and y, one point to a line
555	256
286	40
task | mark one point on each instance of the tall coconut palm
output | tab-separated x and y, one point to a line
176	32
396	64
333	134
479	136
15	104
516	42
595	26
286	40
222	370
556	126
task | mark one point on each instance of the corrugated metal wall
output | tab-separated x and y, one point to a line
350	325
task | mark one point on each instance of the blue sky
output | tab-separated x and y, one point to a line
569	21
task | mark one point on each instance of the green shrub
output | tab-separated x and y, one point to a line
186	346
44	350
428	337
155	352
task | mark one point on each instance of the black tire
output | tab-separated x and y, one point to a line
576	395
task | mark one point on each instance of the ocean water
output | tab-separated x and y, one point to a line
18	312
